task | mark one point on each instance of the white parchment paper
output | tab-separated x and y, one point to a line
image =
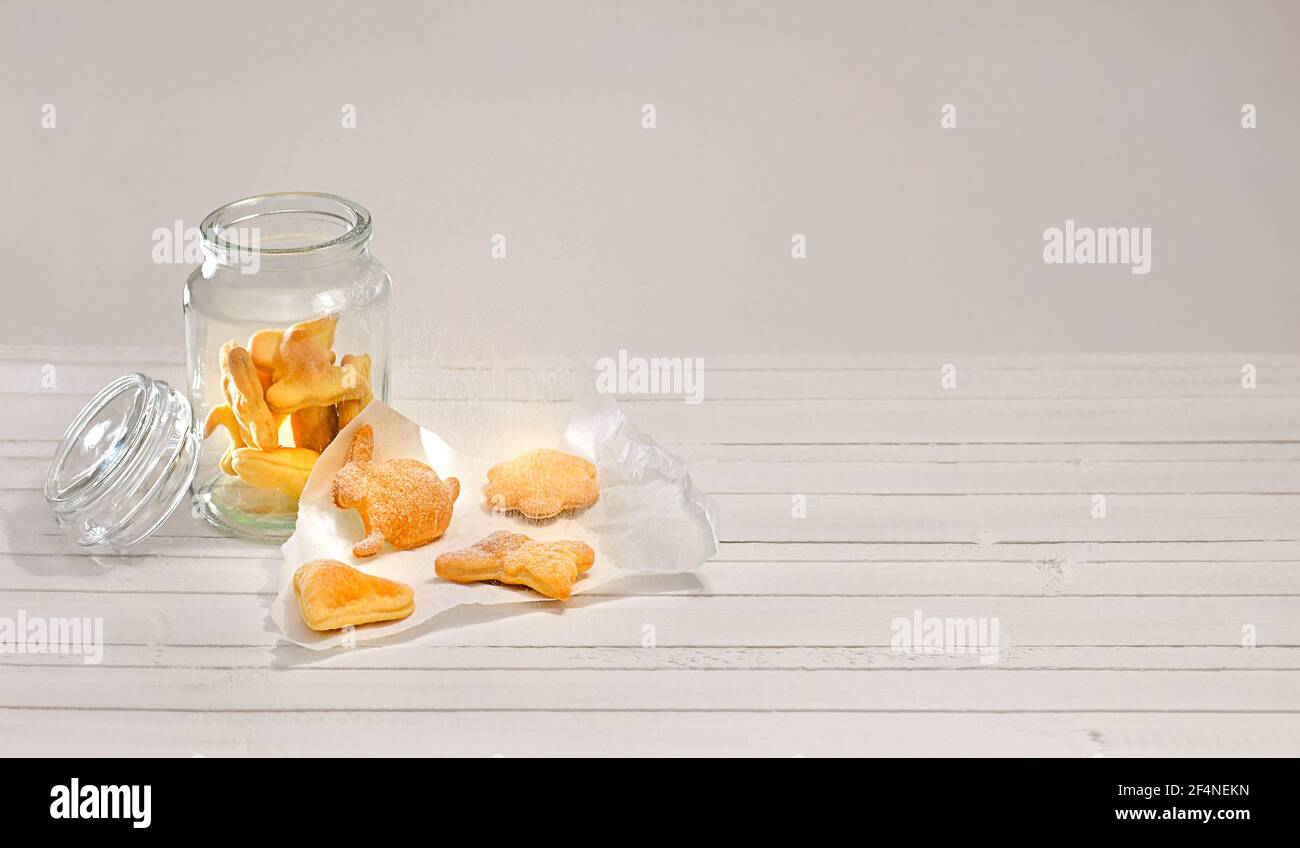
650	517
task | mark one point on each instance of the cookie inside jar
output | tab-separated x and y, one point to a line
286	392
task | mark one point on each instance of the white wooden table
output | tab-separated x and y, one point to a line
1120	635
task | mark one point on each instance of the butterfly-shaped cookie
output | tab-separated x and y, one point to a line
305	374
547	567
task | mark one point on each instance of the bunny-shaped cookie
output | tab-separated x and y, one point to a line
402	501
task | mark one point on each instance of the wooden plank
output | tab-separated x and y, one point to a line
411	381
750	361
180	536
204	619
1085	454
790	384
831	511
1002	518
934	518
960	421
219	575
70	354
911	478
649	733
176	544
720	689
954	420
923	421
433	657
1032	552
1011	362
82	379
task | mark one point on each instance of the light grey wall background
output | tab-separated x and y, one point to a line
773	118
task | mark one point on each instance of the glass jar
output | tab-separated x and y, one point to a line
279	321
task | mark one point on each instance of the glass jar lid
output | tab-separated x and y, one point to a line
124	464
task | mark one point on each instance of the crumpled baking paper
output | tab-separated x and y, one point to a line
650	518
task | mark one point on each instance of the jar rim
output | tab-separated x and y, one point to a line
219	223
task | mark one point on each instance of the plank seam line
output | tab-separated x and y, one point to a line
650	669
635	710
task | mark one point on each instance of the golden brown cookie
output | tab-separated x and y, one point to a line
223	416
314	427
285	469
332	594
542	484
402	501
264	348
304	371
550	568
354	367
257	425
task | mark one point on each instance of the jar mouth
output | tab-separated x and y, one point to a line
291	223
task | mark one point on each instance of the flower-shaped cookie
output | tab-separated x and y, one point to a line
542	484
547	567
